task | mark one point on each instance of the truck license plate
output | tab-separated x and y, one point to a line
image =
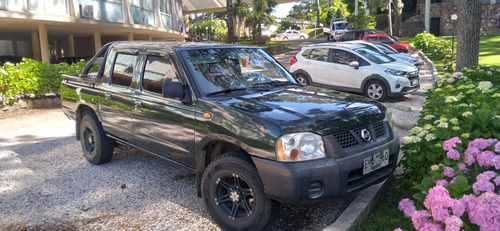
376	161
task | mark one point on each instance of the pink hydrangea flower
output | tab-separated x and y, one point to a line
449	172
398	229
481	143
463	168
497	181
407	206
420	218
496	161
453	223
431	226
497	147
453	154
483	186
484	211
470	155
488	175
442	182
451	143
485	158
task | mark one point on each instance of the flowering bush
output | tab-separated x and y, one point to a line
462	196
433	47
463	104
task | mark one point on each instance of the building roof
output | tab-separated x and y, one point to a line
206	6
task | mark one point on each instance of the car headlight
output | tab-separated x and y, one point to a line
388	117
396	72
299	147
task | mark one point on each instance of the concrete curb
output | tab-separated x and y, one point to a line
360	207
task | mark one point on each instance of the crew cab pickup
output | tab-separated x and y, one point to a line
236	117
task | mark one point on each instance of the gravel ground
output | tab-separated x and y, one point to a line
46	184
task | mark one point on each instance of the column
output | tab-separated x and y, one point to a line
150	37
15	51
35	44
44	43
97	41
71	45
427	21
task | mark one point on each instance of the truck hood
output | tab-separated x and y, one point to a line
311	109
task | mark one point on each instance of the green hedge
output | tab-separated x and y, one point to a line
32	78
463	104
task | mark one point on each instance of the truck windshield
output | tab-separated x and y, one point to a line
226	70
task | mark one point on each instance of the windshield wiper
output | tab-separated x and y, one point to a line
269	84
227	90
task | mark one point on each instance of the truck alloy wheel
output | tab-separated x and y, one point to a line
234	195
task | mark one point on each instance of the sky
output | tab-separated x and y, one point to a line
282	10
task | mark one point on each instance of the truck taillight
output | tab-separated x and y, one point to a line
293	61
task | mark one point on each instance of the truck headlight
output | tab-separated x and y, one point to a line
299	147
396	72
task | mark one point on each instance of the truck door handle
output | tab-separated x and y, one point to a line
137	103
107	96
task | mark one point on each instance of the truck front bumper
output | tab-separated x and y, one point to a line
325	178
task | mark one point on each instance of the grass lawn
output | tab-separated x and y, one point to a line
489	50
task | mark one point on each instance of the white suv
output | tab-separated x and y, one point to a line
354	68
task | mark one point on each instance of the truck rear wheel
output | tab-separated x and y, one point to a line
97	147
234	194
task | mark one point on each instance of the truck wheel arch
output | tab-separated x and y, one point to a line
209	150
80	112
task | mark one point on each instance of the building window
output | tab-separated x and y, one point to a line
110	10
435	1
143	12
166	13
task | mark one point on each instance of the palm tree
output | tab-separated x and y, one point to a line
240	11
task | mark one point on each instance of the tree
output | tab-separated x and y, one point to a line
398	16
230	21
261	14
468	33
240	11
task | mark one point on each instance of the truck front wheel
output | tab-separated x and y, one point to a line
97	147
234	194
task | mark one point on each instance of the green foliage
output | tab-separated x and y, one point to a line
217	29
433	47
287	24
464	104
33	78
362	21
338	10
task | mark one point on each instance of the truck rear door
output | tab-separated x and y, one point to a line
116	96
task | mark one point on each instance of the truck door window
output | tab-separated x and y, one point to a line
158	70
123	69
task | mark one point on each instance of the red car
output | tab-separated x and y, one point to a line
392	41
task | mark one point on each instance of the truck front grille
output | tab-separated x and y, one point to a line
352	138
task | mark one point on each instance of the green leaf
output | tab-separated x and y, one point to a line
458	188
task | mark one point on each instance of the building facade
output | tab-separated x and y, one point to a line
440	11
48	30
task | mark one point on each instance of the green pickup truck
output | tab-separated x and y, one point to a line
237	118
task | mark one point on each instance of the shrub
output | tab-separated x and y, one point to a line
32	78
464	104
463	195
433	47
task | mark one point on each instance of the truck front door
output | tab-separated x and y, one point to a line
163	126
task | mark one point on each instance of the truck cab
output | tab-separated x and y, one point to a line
335	30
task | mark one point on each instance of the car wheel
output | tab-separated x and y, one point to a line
302	37
302	79
285	38
376	90
234	195
97	147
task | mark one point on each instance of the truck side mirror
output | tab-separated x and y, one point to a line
354	64
173	90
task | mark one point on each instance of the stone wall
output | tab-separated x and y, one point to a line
490	16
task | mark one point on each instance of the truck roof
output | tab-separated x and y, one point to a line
168	45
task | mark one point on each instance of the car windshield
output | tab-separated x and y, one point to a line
386	49
225	70
373	56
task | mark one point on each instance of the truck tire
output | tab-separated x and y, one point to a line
376	90
234	195
97	147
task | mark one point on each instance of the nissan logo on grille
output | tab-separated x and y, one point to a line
365	134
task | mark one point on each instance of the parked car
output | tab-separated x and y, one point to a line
354	68
386	49
392	41
293	34
358	34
